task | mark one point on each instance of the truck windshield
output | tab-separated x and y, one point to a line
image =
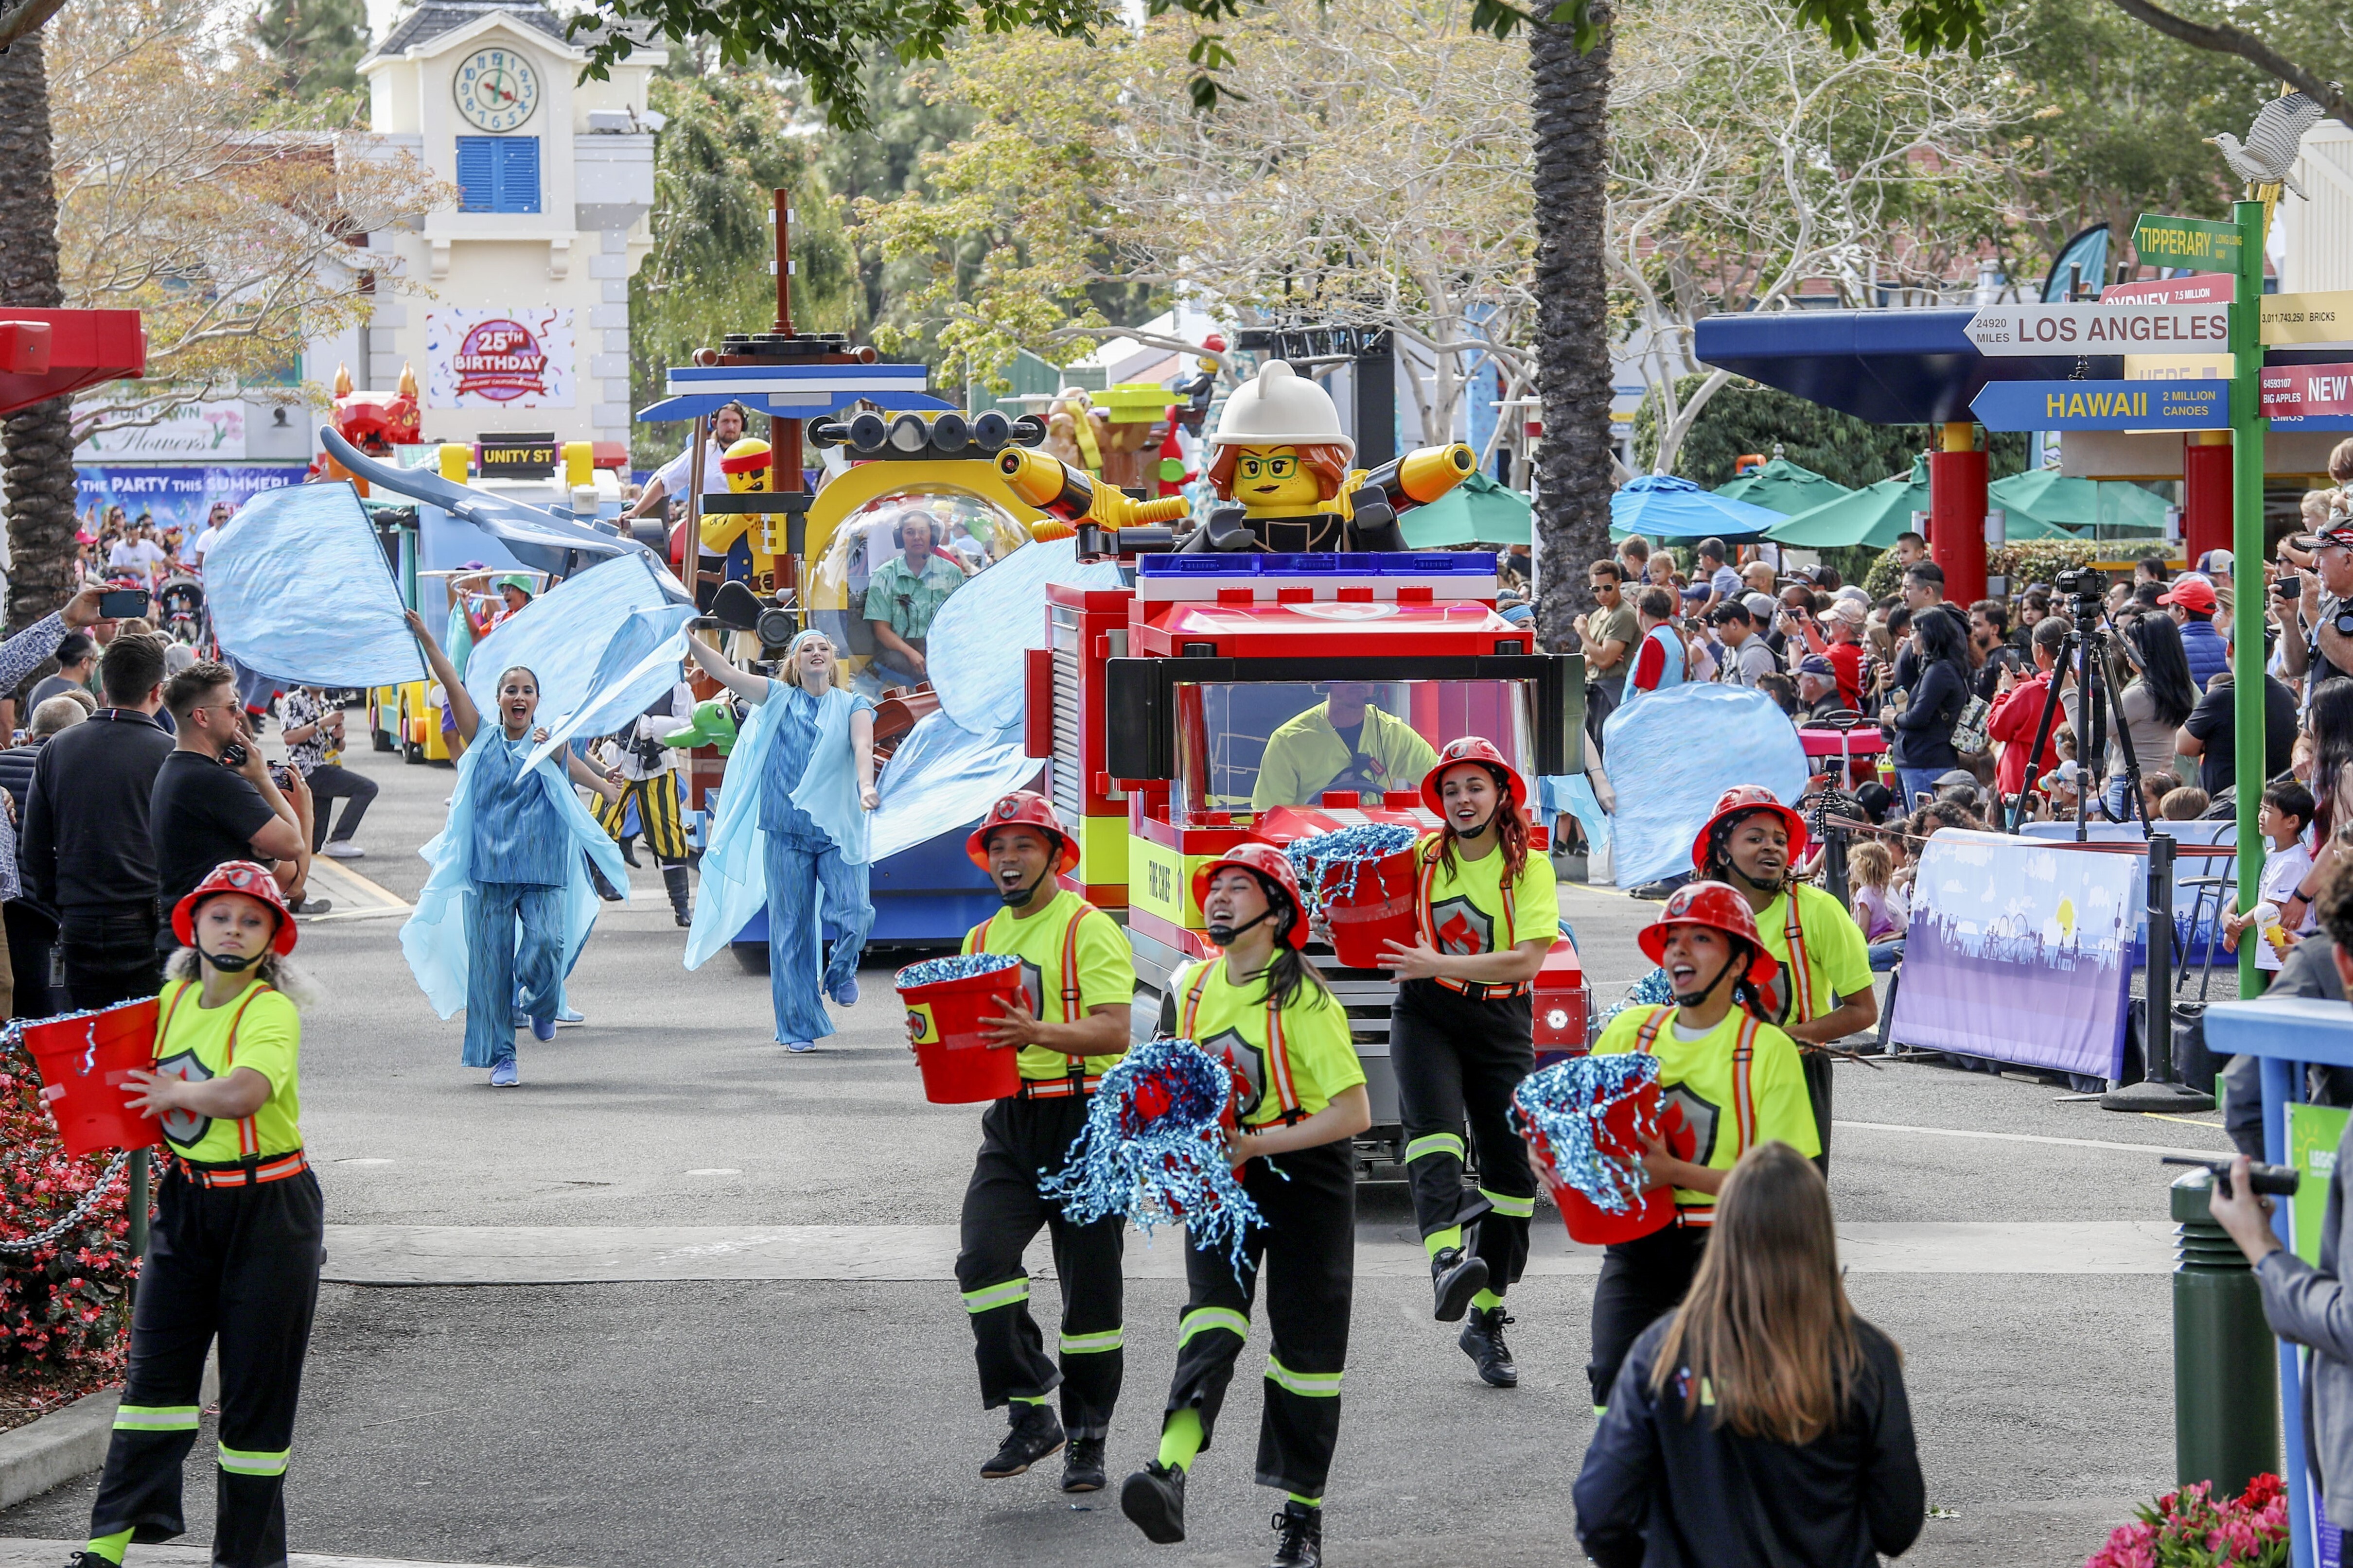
1254	745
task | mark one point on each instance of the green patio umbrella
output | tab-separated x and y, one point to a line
1784	487
1477	511
1873	515
2069	508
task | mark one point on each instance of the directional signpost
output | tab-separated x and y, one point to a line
2325	318
2104	405
2162	241
2305	391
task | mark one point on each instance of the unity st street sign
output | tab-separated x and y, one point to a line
2104	405
2135	327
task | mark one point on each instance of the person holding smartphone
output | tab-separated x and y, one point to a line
214	799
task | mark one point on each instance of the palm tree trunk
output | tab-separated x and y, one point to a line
37	441
1571	119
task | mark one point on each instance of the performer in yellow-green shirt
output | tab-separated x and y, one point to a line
1822	992
1728	1080
1463	1036
1344	742
239	1238
1262	1006
1070	1023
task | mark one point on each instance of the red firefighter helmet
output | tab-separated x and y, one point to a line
1473	749
1739	801
236	876
1273	867
1719	907
1022	808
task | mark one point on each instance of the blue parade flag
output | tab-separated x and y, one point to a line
299	591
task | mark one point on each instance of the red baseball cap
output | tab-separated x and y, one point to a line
2191	593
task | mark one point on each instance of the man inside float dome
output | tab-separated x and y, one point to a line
1344	744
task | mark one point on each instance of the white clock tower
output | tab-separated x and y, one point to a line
527	328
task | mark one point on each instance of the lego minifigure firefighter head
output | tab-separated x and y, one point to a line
1279	450
746	466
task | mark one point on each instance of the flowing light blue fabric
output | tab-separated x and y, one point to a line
563	636
828	794
1572	794
941	779
975	650
639	666
434	936
298	590
1671	755
735	871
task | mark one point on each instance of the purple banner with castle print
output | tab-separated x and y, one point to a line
2019	950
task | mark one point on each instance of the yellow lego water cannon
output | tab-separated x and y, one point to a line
913	437
1417	479
1077	497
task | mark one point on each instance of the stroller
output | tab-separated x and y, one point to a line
180	610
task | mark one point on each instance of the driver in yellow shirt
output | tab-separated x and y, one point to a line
1344	742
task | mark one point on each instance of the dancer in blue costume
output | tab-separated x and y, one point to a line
510	857
791	826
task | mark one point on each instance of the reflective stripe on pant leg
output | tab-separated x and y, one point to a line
1307	1385
988	1297
1434	1143
1503	1204
243	1462
1090	1344
1202	1319
155	1417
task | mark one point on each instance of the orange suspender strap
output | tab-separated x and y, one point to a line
1801	975
1071	962
1743	1100
1429	879
1193	1000
1278	1054
1647	1035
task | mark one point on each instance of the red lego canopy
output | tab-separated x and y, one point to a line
49	354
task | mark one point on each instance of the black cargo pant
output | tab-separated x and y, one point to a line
1456	1060
1020	1139
1642	1281
240	1264
1307	1248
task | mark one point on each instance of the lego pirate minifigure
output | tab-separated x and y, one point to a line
739	536
1281	463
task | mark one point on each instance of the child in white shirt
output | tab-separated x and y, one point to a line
2286	812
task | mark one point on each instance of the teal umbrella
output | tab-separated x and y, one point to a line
1784	487
1477	511
2062	506
1871	516
1661	506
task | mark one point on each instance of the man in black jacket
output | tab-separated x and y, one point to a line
86	853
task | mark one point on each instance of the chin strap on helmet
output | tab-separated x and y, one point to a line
1015	897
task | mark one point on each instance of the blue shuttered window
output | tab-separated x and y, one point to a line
498	173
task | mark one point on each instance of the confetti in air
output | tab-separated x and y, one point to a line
1328	864
932	971
1152	1149
1560	1111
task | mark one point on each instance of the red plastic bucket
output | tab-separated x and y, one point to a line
1588	1221
944	1018
84	1063
1378	910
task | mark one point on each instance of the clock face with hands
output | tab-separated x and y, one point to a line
497	88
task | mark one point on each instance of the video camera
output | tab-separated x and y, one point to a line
2084	587
2279	1180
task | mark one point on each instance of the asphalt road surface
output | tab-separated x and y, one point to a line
834	1419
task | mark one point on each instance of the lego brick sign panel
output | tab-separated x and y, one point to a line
498	358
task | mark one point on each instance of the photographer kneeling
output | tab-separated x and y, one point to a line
2306	1304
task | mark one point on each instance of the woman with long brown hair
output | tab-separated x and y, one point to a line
1762	1422
1462	1034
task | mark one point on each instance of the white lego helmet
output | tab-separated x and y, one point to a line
1278	407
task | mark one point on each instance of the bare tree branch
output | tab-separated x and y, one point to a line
2222	38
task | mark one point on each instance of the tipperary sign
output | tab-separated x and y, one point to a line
2135	327
2307	391
2104	405
2162	241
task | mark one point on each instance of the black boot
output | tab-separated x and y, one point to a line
605	889
1036	1432
1457	1277
1482	1341
674	878
1298	1536
629	851
1082	1465
1154	1499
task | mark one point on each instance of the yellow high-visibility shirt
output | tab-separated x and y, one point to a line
1305	1047
1105	971
193	1042
1729	1105
1305	756
1837	959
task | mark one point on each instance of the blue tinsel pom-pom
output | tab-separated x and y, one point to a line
1153	1150
932	971
1564	1106
1342	856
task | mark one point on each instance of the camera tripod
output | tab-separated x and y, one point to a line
2090	651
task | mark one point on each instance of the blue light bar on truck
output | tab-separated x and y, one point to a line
1358	564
